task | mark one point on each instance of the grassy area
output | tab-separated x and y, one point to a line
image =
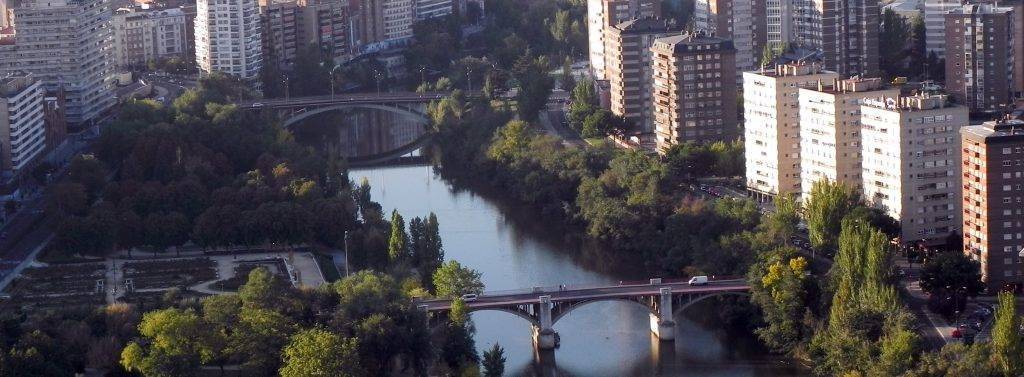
54	255
597	141
327	267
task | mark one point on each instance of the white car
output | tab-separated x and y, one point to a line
698	280
257	104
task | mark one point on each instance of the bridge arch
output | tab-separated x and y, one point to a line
394	109
564	309
686	305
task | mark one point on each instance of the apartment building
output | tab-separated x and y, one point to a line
742	21
229	39
145	35
22	131
911	157
830	124
993	200
427	9
846	31
284	24
629	68
694	99
935	24
771	111
66	45
602	14
980	56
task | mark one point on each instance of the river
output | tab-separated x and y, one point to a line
512	249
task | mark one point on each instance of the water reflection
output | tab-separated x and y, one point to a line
511	250
360	132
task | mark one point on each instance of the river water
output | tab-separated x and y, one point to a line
601	339
513	249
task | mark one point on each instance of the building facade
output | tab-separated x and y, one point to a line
993	200
229	39
65	44
771	112
22	131
144	35
830	128
628	57
742	21
602	14
980	56
911	159
694	99
935	24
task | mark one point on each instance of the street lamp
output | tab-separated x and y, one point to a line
423	76
377	74
332	78
469	78
284	79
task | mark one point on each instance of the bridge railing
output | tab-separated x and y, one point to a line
560	288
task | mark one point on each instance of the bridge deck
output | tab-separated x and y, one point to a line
492	300
350	98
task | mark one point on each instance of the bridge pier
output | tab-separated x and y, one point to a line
663	324
544	336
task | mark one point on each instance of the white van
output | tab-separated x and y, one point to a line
470	297
698	280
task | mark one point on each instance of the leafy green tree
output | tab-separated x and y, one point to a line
258	339
494	361
950	274
778	286
175	344
398	243
824	210
454	280
918	54
892	40
1007	345
458	349
510	142
320	353
535	84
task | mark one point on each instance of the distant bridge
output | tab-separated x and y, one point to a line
543	307
295	109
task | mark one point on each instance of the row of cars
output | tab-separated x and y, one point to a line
972	324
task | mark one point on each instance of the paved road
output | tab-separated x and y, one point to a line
497	299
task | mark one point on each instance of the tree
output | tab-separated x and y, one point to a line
258	339
175	346
398	243
952	273
453	280
494	361
824	210
892	40
535	84
319	353
1007	345
918	53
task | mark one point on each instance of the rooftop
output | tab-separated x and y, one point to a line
1000	130
692	42
644	25
919	102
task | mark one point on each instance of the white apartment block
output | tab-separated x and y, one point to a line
911	163
65	44
602	14
228	38
22	131
144	35
772	126
830	131
935	24
398	18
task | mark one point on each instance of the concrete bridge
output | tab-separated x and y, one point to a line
543	307
294	109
